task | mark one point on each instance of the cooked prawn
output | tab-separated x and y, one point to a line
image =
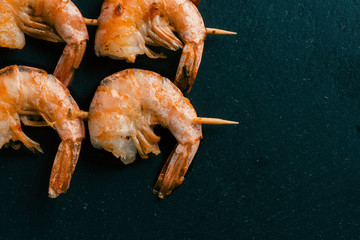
123	112
51	20
126	26
25	90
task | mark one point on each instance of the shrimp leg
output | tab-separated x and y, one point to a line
20	135
31	123
39	30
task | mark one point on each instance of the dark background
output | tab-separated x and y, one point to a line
289	170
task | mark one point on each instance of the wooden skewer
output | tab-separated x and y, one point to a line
85	115
214	31
201	120
80	114
91	22
214	121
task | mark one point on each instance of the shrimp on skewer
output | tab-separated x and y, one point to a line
50	20
26	90
211	31
123	112
127	26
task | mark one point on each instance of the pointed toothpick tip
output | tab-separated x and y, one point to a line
213	121
212	31
216	31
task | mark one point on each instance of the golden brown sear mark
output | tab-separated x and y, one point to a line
29	69
118	10
7	71
154	10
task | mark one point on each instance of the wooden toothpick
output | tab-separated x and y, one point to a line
214	121
91	22
214	31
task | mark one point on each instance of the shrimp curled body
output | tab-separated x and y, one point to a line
25	89
127	26
50	20
123	112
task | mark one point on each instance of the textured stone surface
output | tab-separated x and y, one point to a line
289	170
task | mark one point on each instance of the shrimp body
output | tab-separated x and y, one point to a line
50	20
25	89
123	112
127	26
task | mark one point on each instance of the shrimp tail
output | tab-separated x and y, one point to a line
175	168
188	66
63	167
69	61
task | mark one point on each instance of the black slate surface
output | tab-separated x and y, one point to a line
289	170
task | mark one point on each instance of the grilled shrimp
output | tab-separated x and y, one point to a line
51	20
126	26
123	112
27	90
